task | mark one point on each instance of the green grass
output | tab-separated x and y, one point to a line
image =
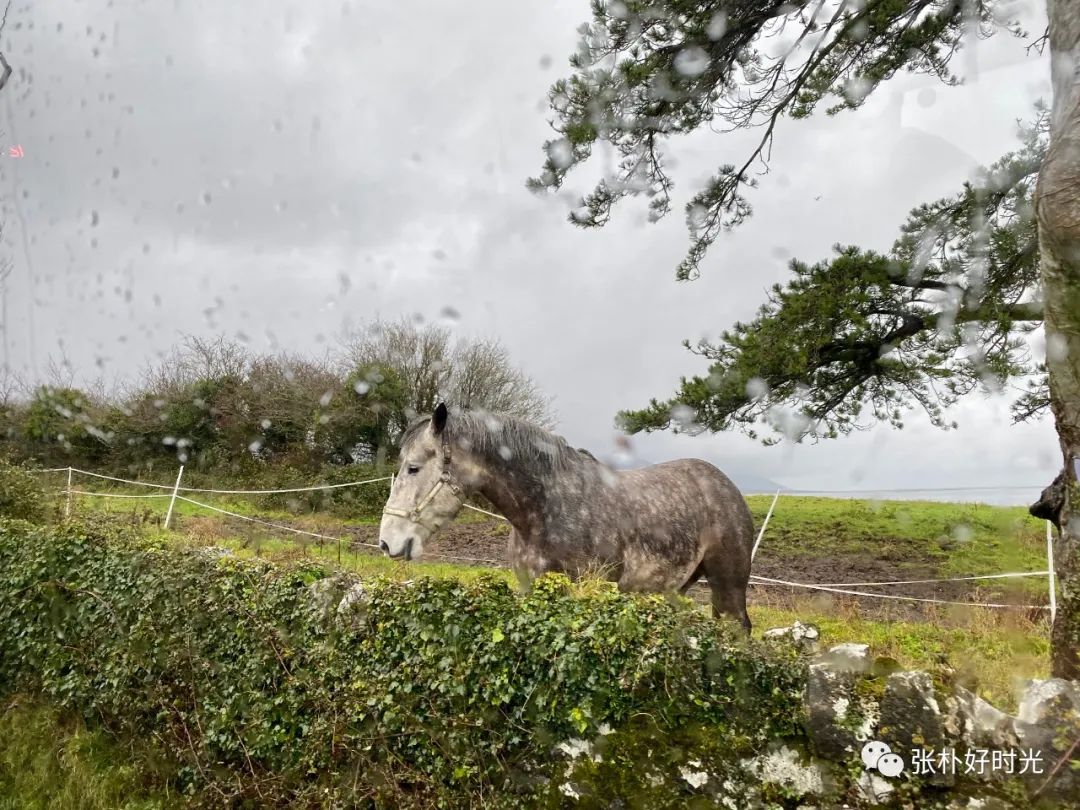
49	761
956	539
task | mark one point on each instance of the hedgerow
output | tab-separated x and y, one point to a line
429	693
21	493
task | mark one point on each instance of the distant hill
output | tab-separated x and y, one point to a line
752	482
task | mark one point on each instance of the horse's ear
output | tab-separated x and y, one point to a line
438	419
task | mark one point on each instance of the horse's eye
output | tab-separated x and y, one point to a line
413	470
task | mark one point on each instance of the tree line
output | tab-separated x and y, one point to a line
216	405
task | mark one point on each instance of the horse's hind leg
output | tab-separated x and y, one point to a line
699	572
728	589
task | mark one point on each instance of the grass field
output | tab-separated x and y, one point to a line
50	761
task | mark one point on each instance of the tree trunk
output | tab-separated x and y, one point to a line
1057	207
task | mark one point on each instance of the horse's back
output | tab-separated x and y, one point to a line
690	483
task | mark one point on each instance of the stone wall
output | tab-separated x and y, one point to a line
902	739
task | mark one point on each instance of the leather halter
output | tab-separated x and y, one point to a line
416	514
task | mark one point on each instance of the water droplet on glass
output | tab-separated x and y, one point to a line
717	26
93	219
561	153
856	89
692	61
545	62
756	388
265	424
324	400
362	387
963	533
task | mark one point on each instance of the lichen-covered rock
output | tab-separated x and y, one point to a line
353	602
784	767
838	720
972	803
804	636
912	718
1045	701
1047	722
325	595
976	722
873	789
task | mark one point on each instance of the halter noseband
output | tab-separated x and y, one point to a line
416	514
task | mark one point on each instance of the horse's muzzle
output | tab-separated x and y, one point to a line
406	553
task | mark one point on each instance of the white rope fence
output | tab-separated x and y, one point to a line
844	588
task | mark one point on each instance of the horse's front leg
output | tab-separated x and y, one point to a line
517	558
527	563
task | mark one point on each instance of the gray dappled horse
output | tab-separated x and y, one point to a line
658	529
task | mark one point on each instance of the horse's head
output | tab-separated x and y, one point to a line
425	495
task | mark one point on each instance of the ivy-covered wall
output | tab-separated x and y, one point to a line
288	686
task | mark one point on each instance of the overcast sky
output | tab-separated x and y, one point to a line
278	171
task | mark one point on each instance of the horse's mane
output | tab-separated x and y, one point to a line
498	438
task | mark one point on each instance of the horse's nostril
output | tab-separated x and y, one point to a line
383	547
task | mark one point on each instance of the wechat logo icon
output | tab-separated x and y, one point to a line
879	757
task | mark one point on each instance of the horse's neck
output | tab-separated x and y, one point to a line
526	498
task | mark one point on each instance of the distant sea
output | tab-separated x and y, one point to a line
1002	496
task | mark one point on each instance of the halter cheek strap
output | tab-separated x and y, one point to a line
416	514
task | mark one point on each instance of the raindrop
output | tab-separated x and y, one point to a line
856	89
756	388
324	400
265	424
963	533
717	26
695	217
560	153
159	403
93	219
927	97
255	446
206	198
362	387
545	62
684	415
1057	348
504	452
169	440
448	313
692	61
